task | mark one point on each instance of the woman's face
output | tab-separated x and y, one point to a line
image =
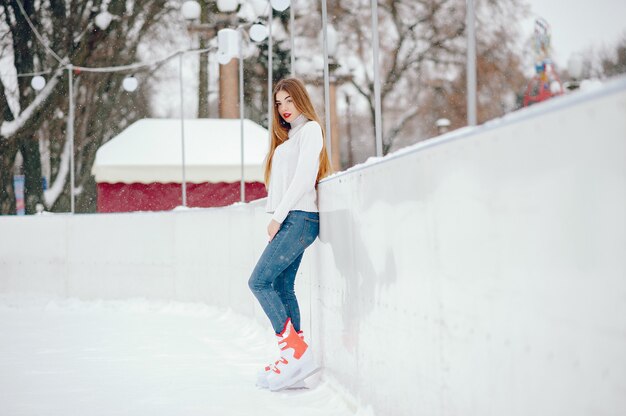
286	107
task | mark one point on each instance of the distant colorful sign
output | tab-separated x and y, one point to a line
546	83
18	186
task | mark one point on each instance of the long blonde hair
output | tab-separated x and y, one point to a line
280	129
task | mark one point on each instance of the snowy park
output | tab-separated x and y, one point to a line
472	226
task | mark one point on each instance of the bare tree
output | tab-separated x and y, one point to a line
422	59
614	64
606	61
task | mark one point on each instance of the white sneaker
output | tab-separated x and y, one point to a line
296	362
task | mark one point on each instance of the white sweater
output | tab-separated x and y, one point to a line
294	170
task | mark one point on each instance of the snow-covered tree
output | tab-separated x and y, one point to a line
47	35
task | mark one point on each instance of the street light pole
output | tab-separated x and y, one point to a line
70	133
377	104
334	80
349	130
227	100
203	73
182	128
241	112
228	89
327	114
270	93
334	125
292	42
230	43
471	64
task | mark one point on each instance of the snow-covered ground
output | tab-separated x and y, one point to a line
137	357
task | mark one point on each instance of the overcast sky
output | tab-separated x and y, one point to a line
579	24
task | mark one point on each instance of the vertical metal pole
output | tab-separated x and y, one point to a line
241	111
326	80
70	133
270	98
208	81
292	52
182	126
349	131
377	104
471	64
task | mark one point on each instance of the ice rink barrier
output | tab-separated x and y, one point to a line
482	272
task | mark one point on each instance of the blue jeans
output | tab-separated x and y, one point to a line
274	275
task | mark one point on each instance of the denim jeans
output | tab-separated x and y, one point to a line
273	278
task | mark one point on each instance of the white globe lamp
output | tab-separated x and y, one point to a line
38	82
130	83
227	6
191	10
280	5
103	20
258	32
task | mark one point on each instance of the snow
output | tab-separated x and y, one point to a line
139	357
150	150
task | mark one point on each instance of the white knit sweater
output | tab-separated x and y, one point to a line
294	170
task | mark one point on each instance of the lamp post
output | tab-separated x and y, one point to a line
231	46
471	63
182	130
197	17
334	79
331	50
270	74
324	35
378	122
70	132
228	85
349	129
194	12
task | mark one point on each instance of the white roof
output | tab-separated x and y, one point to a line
150	150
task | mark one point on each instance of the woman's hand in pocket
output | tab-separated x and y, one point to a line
273	228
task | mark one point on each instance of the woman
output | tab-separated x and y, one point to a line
296	161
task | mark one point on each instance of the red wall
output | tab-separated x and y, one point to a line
124	197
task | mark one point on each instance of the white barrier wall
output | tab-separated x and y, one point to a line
199	255
480	273
483	273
